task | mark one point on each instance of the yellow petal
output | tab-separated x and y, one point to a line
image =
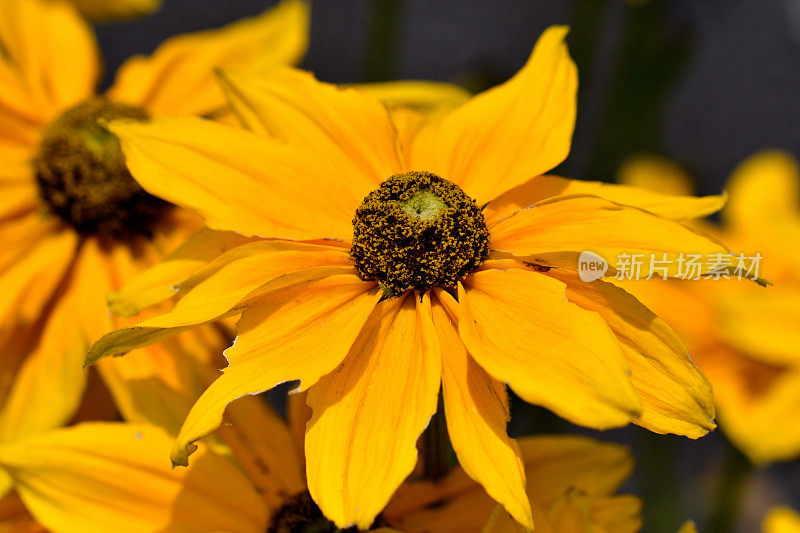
54	49
369	412
179	77
752	400
559	464
514	132
110	10
38	266
621	514
159	383
343	126
553	354
764	192
115	477
419	95
655	173
47	390
676	397
761	322
544	187
264	448
299	333
156	284
690	527
476	406
554	233
220	288
229	176
782	520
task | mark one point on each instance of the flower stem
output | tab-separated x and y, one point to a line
733	478
384	39
436	446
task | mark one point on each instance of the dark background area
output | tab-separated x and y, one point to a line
704	82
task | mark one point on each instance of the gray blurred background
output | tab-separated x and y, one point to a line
704	82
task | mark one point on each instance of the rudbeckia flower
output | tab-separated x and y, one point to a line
74	224
744	337
401	257
108	476
572	482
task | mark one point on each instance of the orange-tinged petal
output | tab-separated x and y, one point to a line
17	198
544	187
179	77
514	132
344	126
47	390
156	284
109	10
54	49
239	181
114	477
555	232
476	406
676	397
691	527
32	277
519	326
220	288
369	412
302	332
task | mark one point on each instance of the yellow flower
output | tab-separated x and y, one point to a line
781	520
102	476
744	337
73	223
108	10
458	271
571	484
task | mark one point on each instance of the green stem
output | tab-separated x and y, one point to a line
656	463
736	471
384	39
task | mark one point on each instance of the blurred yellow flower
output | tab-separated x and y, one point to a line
75	226
104	476
745	337
109	10
781	520
571	485
373	322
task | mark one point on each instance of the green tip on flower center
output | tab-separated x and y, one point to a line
83	179
424	205
418	231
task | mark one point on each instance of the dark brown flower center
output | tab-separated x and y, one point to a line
82	177
418	231
301	515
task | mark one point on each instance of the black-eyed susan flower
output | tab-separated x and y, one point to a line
75	225
106	476
572	481
405	256
743	336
